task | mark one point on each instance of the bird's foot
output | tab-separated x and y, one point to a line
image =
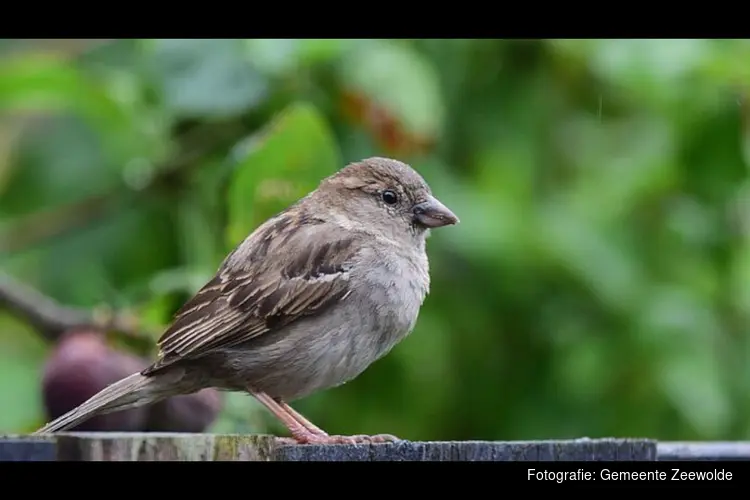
364	439
306	437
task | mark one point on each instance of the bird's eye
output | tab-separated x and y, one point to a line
389	197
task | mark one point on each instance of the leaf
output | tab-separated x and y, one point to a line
206	77
621	163
134	242
683	333
727	62
278	56
693	382
398	79
242	414
650	72
34	83
289	159
200	219
591	254
10	132
50	160
21	359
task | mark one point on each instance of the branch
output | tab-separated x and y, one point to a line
52	319
28	230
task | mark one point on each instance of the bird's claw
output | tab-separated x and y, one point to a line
355	439
363	439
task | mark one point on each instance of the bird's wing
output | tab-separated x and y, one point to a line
289	268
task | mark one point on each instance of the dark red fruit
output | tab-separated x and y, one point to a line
81	365
189	413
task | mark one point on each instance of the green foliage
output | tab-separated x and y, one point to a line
46	84
598	283
22	353
282	164
205	78
398	78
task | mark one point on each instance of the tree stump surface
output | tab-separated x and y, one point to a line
113	447
720	450
218	447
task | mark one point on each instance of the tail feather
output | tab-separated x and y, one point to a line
130	392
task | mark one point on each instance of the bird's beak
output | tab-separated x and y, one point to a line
431	213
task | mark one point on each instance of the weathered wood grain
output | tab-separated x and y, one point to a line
111	447
141	447
704	451
212	447
484	451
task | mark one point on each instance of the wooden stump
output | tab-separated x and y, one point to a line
215	447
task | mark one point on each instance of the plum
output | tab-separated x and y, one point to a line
80	365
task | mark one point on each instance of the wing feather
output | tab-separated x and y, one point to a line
283	272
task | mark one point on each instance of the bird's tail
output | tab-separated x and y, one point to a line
132	391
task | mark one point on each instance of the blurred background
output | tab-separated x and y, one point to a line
598	284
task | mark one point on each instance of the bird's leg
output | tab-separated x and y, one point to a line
312	435
300	433
378	438
301	418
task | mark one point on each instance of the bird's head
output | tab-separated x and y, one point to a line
386	197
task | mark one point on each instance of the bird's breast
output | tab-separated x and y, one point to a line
378	313
330	349
392	292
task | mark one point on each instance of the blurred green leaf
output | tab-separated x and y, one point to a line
281	164
726	62
679	328
200	233
313	50
10	131
242	414
52	157
36	83
621	163
277	56
210	77
591	256
400	80
182	280
694	384
21	359
118	255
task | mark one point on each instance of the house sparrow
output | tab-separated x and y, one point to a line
306	302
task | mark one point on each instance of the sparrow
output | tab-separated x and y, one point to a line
307	302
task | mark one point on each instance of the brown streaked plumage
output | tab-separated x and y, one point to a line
235	307
308	301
